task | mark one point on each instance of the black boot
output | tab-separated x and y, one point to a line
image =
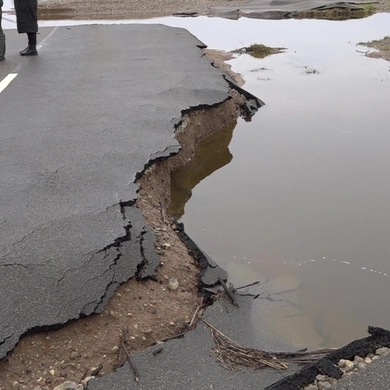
30	50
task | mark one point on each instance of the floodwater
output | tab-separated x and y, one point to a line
304	203
299	197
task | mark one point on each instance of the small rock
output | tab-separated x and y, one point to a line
115	348
320	377
358	359
52	372
68	385
173	284
362	365
342	363
349	366
16	385
367	360
311	387
63	374
384	351
147	331
112	313
172	323
324	385
85	381
129	315
74	355
166	245
376	357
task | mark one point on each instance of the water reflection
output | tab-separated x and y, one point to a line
305	199
211	154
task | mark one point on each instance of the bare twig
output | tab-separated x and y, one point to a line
157	351
196	312
162	209
133	367
247	285
229	293
85	374
96	371
231	354
128	358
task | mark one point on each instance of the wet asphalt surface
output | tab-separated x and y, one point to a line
188	362
78	123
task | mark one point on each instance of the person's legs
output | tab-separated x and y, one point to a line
31	49
2	39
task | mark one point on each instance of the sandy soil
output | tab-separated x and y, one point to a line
150	310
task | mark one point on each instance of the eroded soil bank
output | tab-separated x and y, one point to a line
150	310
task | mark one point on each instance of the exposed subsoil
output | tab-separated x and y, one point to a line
150	309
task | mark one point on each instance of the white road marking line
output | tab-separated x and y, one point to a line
6	81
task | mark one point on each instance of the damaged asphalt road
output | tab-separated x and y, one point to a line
188	362
78	124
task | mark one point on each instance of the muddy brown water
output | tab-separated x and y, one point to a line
303	205
299	197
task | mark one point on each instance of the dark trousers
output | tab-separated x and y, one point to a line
2	39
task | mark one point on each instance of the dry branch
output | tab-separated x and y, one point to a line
231	354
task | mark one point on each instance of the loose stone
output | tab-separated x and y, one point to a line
358	359
115	348
311	387
320	377
85	381
384	351
74	355
367	360
362	366
68	385
342	363
324	385
349	366
173	284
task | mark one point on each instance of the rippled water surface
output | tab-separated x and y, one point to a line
304	203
